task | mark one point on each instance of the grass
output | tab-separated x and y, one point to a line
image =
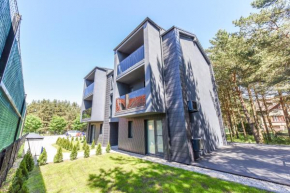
120	173
278	140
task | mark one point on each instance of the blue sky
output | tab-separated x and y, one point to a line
62	40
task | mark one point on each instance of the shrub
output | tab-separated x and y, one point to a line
84	140
72	138
84	145
78	145
99	149
58	157
93	145
29	161
77	138
58	140
18	184
74	153
42	158
108	148
87	151
23	168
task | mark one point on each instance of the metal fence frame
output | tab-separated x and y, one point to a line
8	156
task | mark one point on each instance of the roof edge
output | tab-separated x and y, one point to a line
136	29
94	69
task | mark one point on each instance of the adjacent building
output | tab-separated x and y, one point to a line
160	96
12	94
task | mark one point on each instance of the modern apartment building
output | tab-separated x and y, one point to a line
160	95
12	94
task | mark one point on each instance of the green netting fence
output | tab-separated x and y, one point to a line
8	122
5	22
13	78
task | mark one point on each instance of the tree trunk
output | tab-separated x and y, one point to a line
268	114
229	115
246	111
233	114
262	114
285	111
260	136
240	117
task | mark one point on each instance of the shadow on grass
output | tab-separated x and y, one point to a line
35	182
135	175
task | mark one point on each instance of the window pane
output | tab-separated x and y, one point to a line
159	127
160	144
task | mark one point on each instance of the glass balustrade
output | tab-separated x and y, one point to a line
89	90
131	100
86	114
131	60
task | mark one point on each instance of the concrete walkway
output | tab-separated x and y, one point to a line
266	162
51	151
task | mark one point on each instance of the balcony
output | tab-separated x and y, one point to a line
86	114
89	90
131	60
132	100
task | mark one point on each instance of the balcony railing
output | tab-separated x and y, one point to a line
131	60
132	100
89	90
87	113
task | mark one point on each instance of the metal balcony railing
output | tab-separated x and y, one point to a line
86	114
89	90
132	100
131	60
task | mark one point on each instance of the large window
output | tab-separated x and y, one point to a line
130	132
111	104
101	128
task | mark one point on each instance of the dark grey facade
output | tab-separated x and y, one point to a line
156	74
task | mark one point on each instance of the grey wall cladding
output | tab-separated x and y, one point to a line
200	86
174	100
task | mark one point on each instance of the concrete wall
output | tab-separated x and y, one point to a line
200	87
98	108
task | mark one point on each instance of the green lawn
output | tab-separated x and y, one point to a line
120	173
278	140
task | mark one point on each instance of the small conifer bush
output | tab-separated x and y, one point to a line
72	138
42	158
23	168
99	149
87	152
74	153
108	148
58	157
29	161
78	145
18	184
93	145
84	145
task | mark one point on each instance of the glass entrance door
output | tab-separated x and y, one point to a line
154	143
150	137
92	133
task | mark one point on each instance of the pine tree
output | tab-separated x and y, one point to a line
42	158
99	149
108	148
58	140
87	151
93	145
74	153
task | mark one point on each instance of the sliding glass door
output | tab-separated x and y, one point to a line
154	137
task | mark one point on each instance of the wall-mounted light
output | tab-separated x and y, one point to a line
192	106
